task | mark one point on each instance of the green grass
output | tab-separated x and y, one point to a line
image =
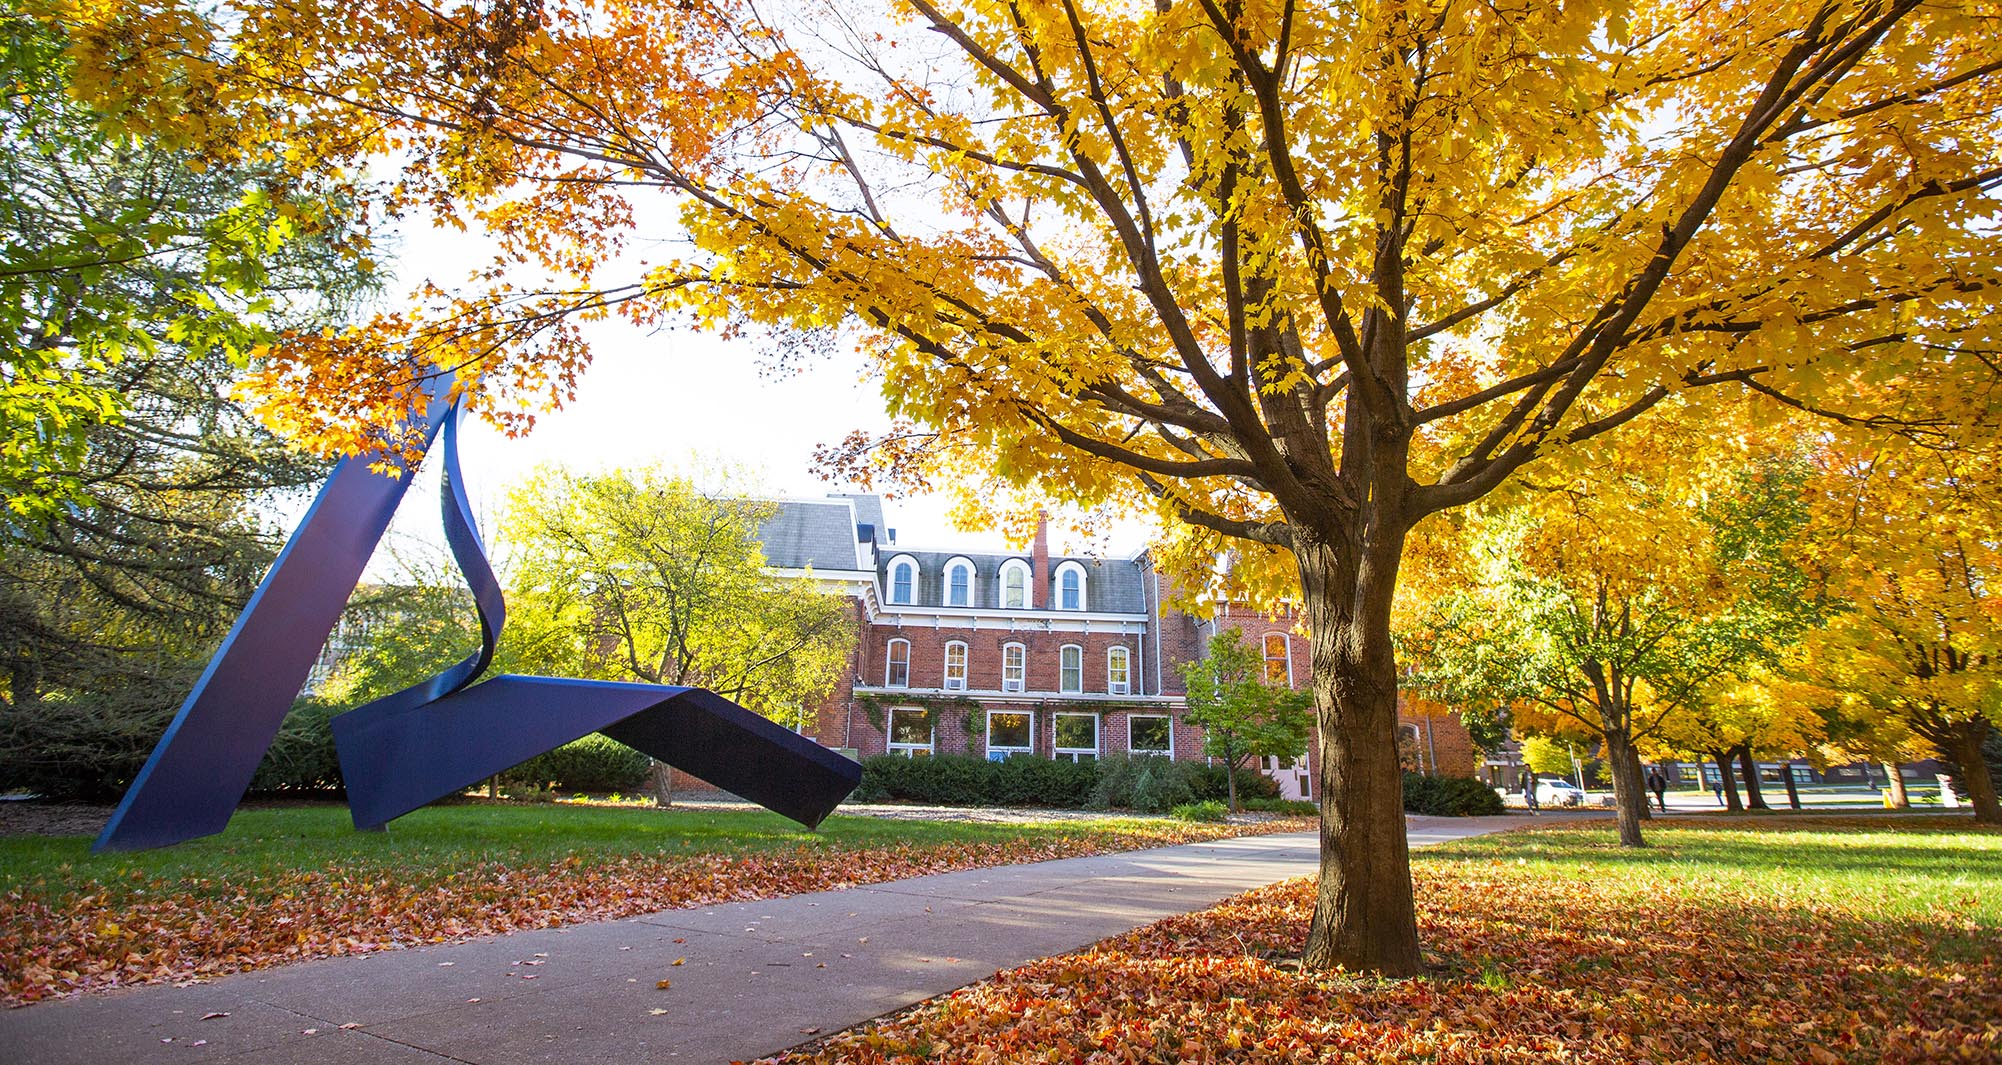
275	840
1882	867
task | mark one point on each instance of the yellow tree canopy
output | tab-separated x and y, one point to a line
1141	249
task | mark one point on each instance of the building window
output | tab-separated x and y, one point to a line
903	581
955	666
1014	585
1150	734
911	733
959	583
1076	737
1070	669
1070	587
1014	668
1118	671
1278	659
1009	733
897	665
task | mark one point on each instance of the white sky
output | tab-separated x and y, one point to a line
687	400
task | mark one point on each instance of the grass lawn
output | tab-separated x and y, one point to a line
297	882
1817	939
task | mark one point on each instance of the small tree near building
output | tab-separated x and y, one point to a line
1242	716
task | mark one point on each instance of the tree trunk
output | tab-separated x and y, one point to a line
1728	780
1230	778
1896	781
1629	788
1793	790
1364	919
1754	798
660	781
1975	777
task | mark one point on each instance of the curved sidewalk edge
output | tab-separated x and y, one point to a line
752	978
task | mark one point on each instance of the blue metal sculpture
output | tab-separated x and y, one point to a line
441	736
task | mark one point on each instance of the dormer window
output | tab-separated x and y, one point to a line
903	581
1070	587
959	583
1014	584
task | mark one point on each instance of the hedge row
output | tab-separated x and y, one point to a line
1146	784
90	752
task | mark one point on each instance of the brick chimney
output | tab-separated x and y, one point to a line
1039	563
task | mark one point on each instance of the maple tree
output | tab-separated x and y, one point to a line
1300	275
1614	604
1243	716
1912	544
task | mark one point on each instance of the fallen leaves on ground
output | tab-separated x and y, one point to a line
60	939
1675	965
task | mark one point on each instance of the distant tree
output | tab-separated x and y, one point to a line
637	575
1910	541
1242	715
1605	606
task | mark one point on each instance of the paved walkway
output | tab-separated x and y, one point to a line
757	977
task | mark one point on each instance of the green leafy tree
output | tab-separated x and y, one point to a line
1609	610
637	575
1242	715
120	255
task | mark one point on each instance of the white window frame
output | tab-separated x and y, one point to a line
1020	656
1118	682
1286	649
1014	567
890	590
1065	673
1075	754
910	750
951	683
996	754
972	582
1169	718
890	679
1083	586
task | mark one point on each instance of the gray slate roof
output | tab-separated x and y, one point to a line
811	533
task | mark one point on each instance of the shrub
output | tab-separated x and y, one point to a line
1209	810
1210	782
303	757
1449	796
594	763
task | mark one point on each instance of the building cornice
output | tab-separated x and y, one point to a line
880	693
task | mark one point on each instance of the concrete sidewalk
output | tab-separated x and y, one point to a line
758	977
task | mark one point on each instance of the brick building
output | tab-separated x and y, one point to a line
986	654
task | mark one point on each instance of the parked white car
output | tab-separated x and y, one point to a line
1558	793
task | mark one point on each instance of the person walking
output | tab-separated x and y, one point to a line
1529	790
1659	785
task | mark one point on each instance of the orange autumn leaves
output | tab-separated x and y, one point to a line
1526	967
61	939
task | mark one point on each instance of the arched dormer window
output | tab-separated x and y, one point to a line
959	588
1070	587
1014	585
903	580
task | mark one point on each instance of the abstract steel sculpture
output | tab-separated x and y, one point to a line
445	734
